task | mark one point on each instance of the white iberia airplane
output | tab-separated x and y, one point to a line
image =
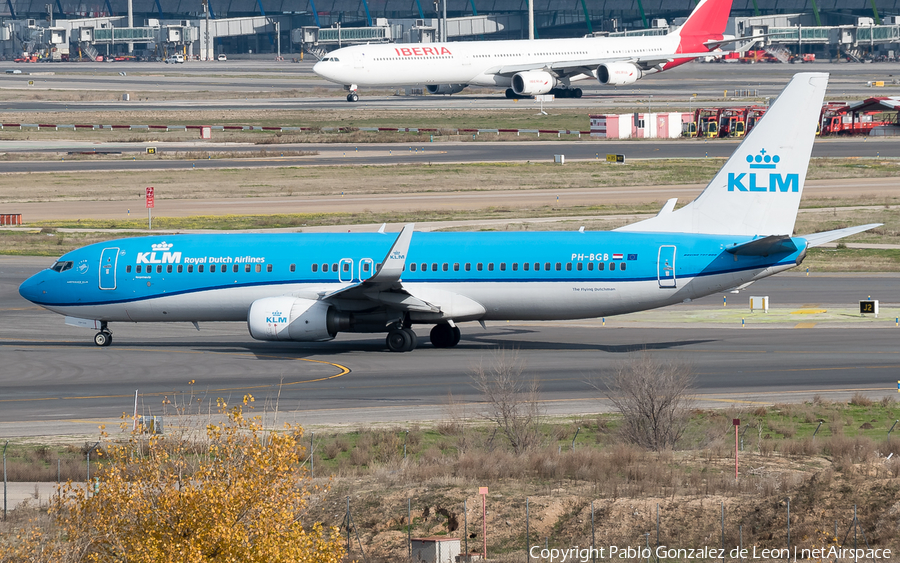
528	67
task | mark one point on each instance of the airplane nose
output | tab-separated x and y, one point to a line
33	288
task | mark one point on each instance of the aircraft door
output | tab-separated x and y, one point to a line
366	269
108	259
345	270
666	266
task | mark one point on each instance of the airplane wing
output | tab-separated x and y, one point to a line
385	287
589	66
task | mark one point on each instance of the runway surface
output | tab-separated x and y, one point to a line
407	153
54	381
295	86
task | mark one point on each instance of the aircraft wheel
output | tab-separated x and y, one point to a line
442	336
413	339
456	336
399	340
103	338
577	93
352	97
510	94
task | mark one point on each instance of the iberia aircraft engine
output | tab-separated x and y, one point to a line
445	89
533	83
292	318
618	74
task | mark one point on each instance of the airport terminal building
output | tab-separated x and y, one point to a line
205	28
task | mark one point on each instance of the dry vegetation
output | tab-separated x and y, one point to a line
845	464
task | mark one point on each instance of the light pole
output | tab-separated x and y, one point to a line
92	448
4	479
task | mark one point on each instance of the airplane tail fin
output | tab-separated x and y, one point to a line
757	191
709	18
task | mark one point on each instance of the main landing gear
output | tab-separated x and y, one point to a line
401	339
445	336
104	337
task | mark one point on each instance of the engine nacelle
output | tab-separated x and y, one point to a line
445	89
292	318
618	74
533	83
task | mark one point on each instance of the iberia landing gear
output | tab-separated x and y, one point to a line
353	96
445	336
104	337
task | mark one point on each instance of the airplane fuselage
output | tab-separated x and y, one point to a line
478	63
476	276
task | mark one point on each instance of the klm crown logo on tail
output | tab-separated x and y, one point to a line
748	181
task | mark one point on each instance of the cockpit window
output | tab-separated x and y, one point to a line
331	60
62	265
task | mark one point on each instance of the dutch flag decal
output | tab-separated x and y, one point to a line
617	256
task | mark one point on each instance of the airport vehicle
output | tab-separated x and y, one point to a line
528	68
309	287
222	57
175	59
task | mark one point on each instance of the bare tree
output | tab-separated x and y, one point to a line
654	398
513	404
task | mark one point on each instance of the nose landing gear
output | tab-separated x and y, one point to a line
352	96
104	337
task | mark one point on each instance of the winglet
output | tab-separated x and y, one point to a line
395	261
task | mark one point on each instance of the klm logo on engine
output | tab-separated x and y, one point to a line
276	318
754	182
165	257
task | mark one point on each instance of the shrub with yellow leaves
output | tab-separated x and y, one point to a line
239	495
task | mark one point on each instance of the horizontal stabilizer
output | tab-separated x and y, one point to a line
775	244
818	239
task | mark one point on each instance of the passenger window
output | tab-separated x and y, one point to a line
412	267
434	266
612	265
590	266
479	266
138	269
515	266
537	266
445	267
601	265
169	269
258	268
346	266
324	267
315	267
334	268
525	266
568	266
159	269
128	269
246	267
268	267
212	268
558	266
180	268
622	266
547	266
490	267
502	266
200	268
580	266
468	266
235	268
366	267
191	269
424	267
456	266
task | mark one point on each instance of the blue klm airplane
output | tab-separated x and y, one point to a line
309	287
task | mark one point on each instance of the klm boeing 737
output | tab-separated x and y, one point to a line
309	287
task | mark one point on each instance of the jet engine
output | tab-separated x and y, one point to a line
445	89
292	318
533	83
618	74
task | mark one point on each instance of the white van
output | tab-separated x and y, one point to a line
175	59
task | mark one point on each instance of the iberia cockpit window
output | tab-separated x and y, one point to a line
62	265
